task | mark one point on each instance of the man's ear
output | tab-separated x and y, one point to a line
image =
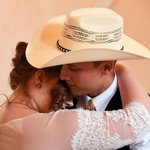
39	77
108	66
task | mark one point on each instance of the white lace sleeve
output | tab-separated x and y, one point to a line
112	129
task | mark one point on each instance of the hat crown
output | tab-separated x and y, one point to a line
92	28
95	19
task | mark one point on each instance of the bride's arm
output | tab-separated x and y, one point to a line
130	89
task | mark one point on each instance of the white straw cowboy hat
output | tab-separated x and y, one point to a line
88	34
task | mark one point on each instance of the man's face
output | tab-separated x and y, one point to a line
83	78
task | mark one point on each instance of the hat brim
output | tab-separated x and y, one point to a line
42	49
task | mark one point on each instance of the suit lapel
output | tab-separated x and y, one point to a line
115	103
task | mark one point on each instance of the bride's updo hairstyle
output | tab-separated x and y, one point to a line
22	70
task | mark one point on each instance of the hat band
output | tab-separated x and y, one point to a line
62	48
85	36
67	50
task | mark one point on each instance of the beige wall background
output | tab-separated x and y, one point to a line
136	14
19	19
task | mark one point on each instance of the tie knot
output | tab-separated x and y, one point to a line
90	105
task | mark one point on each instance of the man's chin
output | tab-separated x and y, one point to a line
77	94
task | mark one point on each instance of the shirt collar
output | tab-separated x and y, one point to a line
101	101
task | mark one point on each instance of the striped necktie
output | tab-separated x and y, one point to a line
90	105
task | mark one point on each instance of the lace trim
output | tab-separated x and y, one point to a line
135	115
94	135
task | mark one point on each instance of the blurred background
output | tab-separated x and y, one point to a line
19	19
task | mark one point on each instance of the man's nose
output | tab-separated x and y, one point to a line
64	73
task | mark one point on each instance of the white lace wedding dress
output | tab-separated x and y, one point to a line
111	130
76	129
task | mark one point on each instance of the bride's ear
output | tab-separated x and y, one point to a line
39	77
